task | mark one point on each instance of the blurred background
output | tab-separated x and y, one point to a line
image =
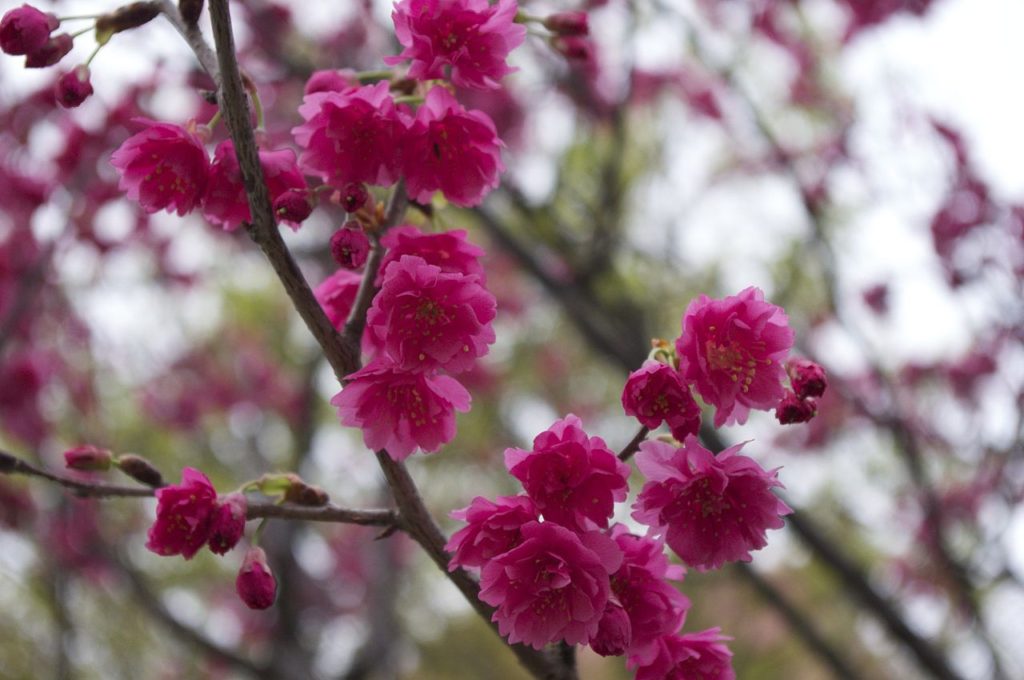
859	160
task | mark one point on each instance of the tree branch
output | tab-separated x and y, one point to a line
11	465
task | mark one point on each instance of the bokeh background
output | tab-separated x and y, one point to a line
859	160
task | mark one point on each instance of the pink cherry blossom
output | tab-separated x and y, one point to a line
337	293
351	136
163	167
225	202
711	509
575	480
553	587
183	515
452	150
449	250
331	81
472	37
25	29
493	528
653	606
428	319
732	351
400	411
686	657
227	522
255	583
656	393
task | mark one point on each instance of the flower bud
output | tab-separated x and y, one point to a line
293	205
614	633
227	522
88	457
808	378
354	196
125	18
302	493
25	30
140	469
50	53
255	584
568	23
574	48
349	246
73	87
792	409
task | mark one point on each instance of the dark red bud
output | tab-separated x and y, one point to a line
50	53
568	23
73	87
354	196
140	469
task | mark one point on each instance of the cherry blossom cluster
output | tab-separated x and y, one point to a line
732	352
431	318
554	567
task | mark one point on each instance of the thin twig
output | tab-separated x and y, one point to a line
13	465
634	444
325	513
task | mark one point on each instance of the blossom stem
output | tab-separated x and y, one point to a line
409	99
214	119
82	31
95	51
79	17
373	76
634	444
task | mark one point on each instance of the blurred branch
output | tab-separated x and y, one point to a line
804	627
634	444
28	285
148	600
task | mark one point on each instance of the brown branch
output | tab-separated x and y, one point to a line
12	465
341	353
325	513
634	444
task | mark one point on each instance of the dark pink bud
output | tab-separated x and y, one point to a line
255	584
52	51
331	81
568	23
808	378
349	246
792	409
614	633
25	30
227	523
574	48
88	457
293	205
354	196
73	87
140	469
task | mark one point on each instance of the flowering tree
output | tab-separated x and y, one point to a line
365	488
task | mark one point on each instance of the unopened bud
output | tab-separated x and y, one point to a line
301	493
792	409
255	584
88	458
125	18
568	23
73	87
293	205
25	29
354	196
349	246
140	469
227	522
